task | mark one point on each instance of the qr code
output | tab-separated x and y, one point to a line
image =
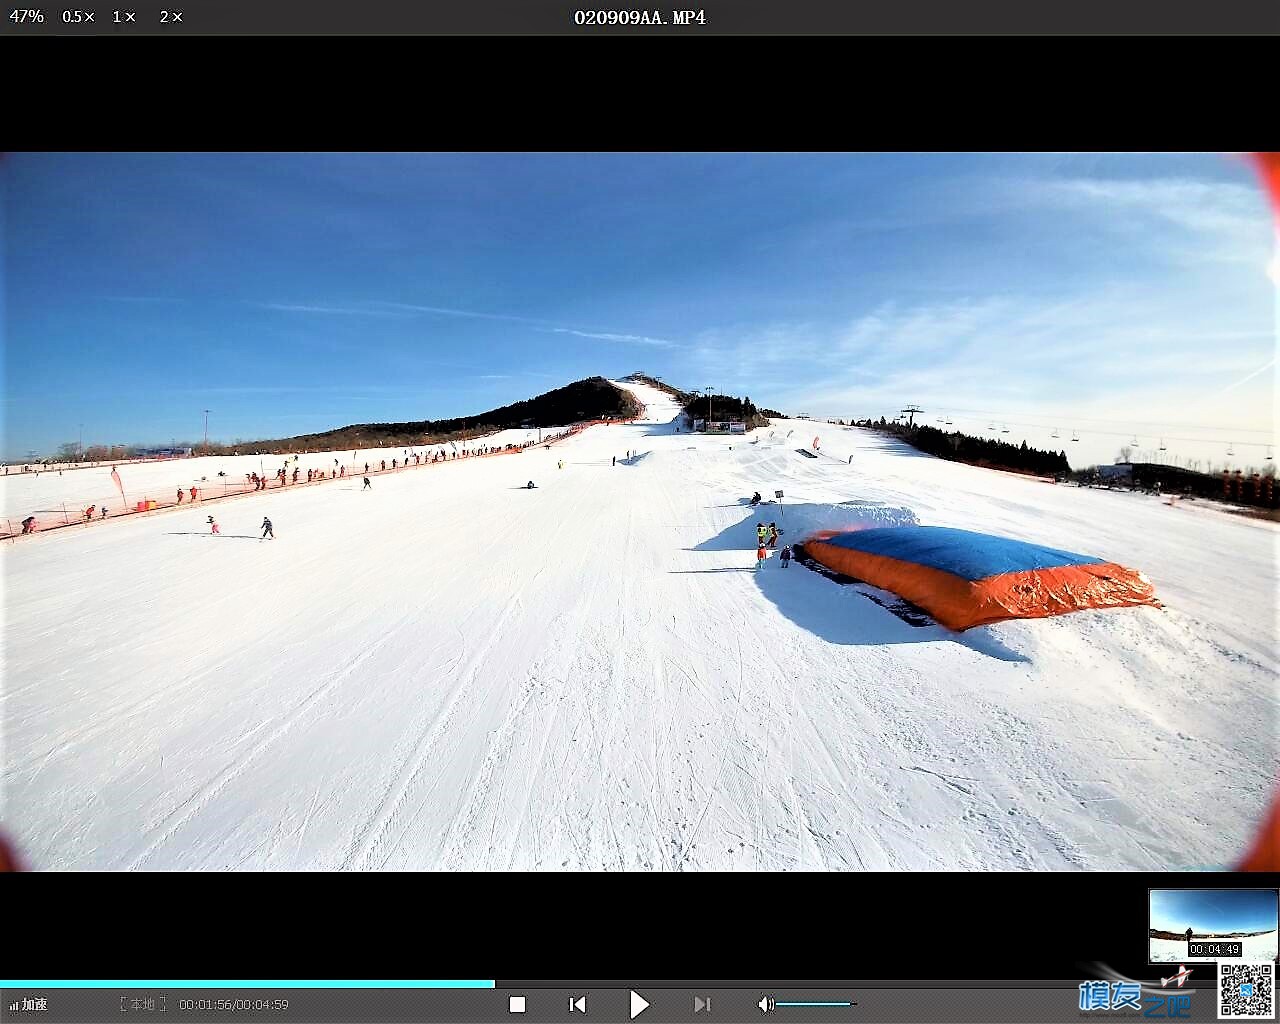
1246	990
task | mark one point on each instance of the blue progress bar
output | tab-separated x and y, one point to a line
247	984
781	1003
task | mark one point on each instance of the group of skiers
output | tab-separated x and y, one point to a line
767	539
30	524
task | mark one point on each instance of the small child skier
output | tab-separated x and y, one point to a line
367	486
761	555
213	525
266	529
785	555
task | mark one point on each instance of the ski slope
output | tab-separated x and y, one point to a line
48	493
449	671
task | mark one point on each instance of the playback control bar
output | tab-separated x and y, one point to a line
865	1002
611	17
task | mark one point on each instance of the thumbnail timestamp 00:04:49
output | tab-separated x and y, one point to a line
650	17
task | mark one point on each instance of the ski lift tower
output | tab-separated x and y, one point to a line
910	412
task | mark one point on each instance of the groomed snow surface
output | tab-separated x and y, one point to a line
451	671
1256	947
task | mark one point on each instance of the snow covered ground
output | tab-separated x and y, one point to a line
1256	947
450	671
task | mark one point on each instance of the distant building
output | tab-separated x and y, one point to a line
162	453
1120	471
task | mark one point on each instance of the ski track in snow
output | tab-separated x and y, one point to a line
452	672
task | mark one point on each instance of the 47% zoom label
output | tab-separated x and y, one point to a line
74	17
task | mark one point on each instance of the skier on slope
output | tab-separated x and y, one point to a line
755	498
213	526
179	495
29	524
761	533
773	535
266	529
529	486
785	555
761	555
367	486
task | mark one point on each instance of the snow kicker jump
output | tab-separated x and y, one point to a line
965	579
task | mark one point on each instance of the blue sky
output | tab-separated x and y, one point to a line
297	292
1213	910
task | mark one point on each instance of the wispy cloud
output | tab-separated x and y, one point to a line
380	308
342	310
444	311
139	298
1111	349
1183	220
636	339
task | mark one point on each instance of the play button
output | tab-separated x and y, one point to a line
638	1004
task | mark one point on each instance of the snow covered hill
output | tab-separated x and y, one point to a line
451	671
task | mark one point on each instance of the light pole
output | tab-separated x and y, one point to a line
206	431
708	390
80	445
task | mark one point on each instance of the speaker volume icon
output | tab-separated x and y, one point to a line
767	1003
